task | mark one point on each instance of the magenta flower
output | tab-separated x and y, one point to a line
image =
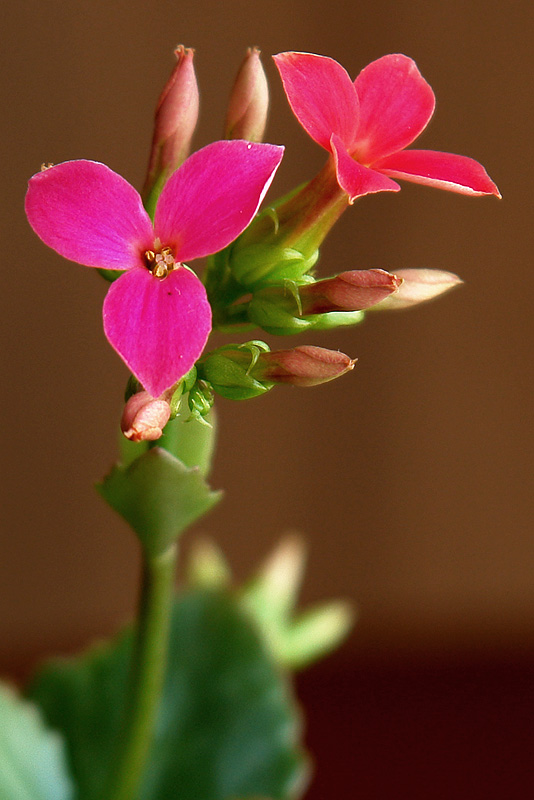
156	315
367	124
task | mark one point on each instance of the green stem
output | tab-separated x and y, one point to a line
147	674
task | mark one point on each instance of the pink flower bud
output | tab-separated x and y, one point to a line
144	417
303	366
418	286
249	101
349	291
175	121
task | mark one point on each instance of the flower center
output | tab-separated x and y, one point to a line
160	261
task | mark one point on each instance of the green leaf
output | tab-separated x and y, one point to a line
32	763
228	726
158	496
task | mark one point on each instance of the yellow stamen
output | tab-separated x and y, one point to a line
159	261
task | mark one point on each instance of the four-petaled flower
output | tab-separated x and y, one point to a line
367	124
156	315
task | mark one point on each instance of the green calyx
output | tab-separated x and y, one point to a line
234	370
266	263
278	310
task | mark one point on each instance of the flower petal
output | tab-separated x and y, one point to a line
89	214
158	327
396	104
442	170
321	95
355	179
214	195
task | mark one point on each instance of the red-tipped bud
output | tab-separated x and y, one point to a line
303	366
175	122
144	417
418	286
249	101
349	291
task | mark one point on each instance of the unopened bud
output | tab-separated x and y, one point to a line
240	372
305	365
144	417
320	305
350	291
249	101
175	122
418	286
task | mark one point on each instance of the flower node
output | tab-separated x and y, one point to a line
160	263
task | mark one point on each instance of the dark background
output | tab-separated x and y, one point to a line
411	477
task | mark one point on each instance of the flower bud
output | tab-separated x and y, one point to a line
240	372
144	417
249	101
350	291
175	121
305	365
418	286
321	305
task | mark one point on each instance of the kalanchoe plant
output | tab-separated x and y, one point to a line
193	701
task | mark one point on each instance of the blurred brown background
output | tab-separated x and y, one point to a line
411	477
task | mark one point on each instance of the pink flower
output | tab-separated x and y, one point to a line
367	124
156	315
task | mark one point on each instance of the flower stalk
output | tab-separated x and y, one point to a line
147	673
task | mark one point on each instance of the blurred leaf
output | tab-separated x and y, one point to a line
227	726
207	568
295	639
313	634
32	762
158	496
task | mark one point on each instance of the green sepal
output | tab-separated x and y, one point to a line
280	317
110	275
229	370
227	727
33	765
200	401
265	264
336	319
158	496
184	386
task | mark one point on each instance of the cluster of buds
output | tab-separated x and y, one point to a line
234	371
260	264
265	278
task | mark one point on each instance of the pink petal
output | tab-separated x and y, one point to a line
355	179
158	327
214	195
442	170
89	214
321	95
396	104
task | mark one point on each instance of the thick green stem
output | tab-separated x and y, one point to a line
147	675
